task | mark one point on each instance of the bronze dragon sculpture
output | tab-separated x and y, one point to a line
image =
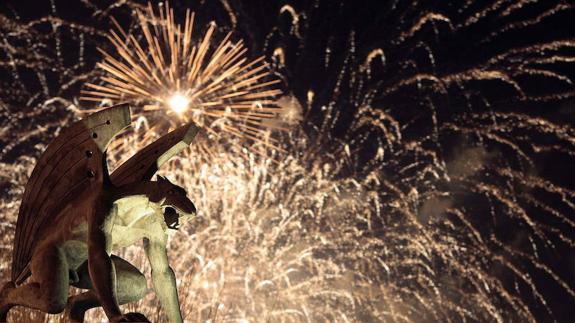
74	214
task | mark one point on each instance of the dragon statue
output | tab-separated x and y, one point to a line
74	214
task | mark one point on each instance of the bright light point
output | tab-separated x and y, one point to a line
179	103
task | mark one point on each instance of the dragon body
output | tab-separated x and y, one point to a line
74	214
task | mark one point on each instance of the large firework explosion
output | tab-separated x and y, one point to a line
202	80
428	177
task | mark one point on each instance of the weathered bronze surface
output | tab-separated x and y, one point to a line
74	214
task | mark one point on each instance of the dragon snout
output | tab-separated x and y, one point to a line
189	208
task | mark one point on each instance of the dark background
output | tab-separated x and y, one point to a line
347	31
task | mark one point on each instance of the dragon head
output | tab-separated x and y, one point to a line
175	203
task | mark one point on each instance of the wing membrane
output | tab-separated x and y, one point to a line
144	164
71	166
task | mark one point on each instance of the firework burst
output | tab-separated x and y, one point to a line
416	188
215	86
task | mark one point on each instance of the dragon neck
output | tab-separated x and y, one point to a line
147	188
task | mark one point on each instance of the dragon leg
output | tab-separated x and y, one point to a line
4	305
131	286
48	289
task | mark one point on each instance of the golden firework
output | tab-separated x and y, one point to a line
168	70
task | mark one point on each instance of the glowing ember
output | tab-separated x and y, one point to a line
179	103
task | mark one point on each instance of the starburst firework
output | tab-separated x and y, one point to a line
429	200
170	71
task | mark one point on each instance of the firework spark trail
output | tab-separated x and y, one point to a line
404	215
202	81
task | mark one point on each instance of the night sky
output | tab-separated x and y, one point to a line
470	84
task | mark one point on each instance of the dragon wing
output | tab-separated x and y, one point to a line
144	164
71	164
